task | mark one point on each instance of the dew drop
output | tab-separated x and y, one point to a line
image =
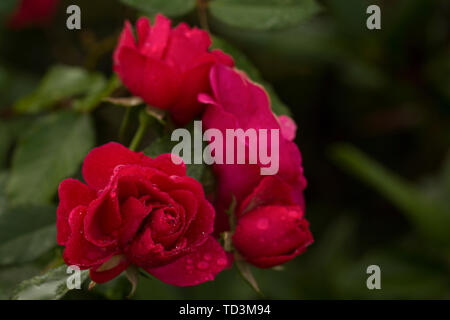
221	262
202	265
207	257
293	214
262	224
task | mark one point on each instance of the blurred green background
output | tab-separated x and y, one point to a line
373	110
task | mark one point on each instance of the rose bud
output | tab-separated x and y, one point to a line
135	210
167	67
271	228
238	103
33	12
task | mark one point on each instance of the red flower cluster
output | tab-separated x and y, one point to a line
33	12
141	211
274	203
146	212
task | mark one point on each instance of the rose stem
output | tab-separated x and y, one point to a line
144	121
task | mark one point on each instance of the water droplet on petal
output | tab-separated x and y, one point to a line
262	224
294	214
221	262
202	265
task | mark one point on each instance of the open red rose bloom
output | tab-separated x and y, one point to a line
167	67
138	211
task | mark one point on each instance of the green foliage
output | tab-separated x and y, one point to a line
99	90
51	150
63	82
243	63
3	200
26	232
10	277
427	215
50	286
263	14
173	8
9	132
14	84
401	276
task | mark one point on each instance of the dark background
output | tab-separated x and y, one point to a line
384	92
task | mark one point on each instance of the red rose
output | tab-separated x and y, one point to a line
271	227
138	211
167	67
33	12
236	102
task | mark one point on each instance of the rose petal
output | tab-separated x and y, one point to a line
288	127
72	193
78	250
270	191
165	164
104	276
201	265
126	40
153	40
187	106
103	220
151	79
99	164
203	223
133	213
185	46
270	232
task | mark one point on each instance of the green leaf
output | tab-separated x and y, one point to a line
100	89
263	14
59	83
172	8
243	63
3	200
26	233
50	151
5	141
428	216
246	273
132	274
9	132
10	277
14	84
49	286
446	176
